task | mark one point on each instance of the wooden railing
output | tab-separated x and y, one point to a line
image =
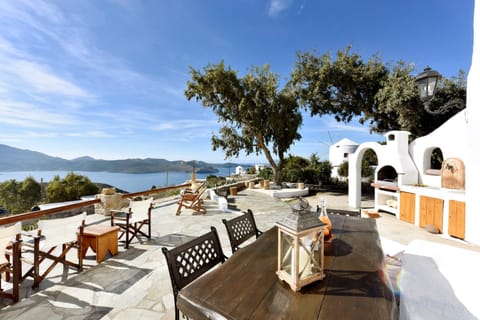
40	213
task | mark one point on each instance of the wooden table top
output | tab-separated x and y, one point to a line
98	230
246	286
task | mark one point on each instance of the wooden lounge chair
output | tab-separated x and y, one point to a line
240	229
192	199
54	239
10	263
190	260
132	219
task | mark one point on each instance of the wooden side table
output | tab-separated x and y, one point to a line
101	239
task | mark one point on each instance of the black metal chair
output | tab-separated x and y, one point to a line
190	260
240	229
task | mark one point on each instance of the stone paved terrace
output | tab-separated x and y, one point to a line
135	284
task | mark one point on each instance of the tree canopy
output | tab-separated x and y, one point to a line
72	187
382	95
17	197
256	115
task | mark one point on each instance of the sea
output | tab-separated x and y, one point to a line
129	182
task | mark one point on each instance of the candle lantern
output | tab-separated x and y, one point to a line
300	247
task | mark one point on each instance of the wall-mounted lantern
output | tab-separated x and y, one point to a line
427	84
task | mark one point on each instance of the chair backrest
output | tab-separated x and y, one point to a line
60	230
8	234
140	209
240	229
190	260
200	188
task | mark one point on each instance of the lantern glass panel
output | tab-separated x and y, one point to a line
422	88
287	253
305	257
432	83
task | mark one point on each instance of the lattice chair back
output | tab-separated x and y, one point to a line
190	260
240	229
58	231
140	210
7	236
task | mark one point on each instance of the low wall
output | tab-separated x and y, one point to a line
241	185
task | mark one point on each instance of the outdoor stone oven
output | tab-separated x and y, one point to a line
387	175
395	168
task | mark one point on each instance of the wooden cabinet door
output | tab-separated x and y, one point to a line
456	219
431	212
407	207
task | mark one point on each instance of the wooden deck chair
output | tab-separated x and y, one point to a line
190	260
52	235
192	200
132	219
10	264
240	229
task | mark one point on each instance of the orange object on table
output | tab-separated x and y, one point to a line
101	239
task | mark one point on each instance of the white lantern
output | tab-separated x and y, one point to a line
300	247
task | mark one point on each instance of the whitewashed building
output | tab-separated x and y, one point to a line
339	153
239	171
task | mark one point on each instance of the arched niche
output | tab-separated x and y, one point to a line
432	161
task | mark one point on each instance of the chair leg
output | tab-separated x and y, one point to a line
17	272
179	209
127	232
36	264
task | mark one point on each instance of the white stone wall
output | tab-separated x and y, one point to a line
450	138
472	165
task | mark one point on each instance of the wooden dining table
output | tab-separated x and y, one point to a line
247	287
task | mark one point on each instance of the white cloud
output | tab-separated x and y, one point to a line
348	128
90	134
185	124
278	6
25	135
28	115
44	80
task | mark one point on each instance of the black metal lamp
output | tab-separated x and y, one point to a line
427	83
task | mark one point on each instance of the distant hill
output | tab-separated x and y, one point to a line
13	159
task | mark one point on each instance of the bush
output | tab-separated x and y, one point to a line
213	180
18	197
266	174
72	187
301	171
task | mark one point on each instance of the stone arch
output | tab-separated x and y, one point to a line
354	171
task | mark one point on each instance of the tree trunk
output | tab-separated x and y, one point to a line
276	168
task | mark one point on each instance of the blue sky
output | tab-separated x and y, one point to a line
106	78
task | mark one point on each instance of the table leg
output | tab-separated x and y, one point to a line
107	242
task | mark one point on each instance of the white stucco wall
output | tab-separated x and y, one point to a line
472	165
450	138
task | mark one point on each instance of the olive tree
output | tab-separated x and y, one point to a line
256	115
